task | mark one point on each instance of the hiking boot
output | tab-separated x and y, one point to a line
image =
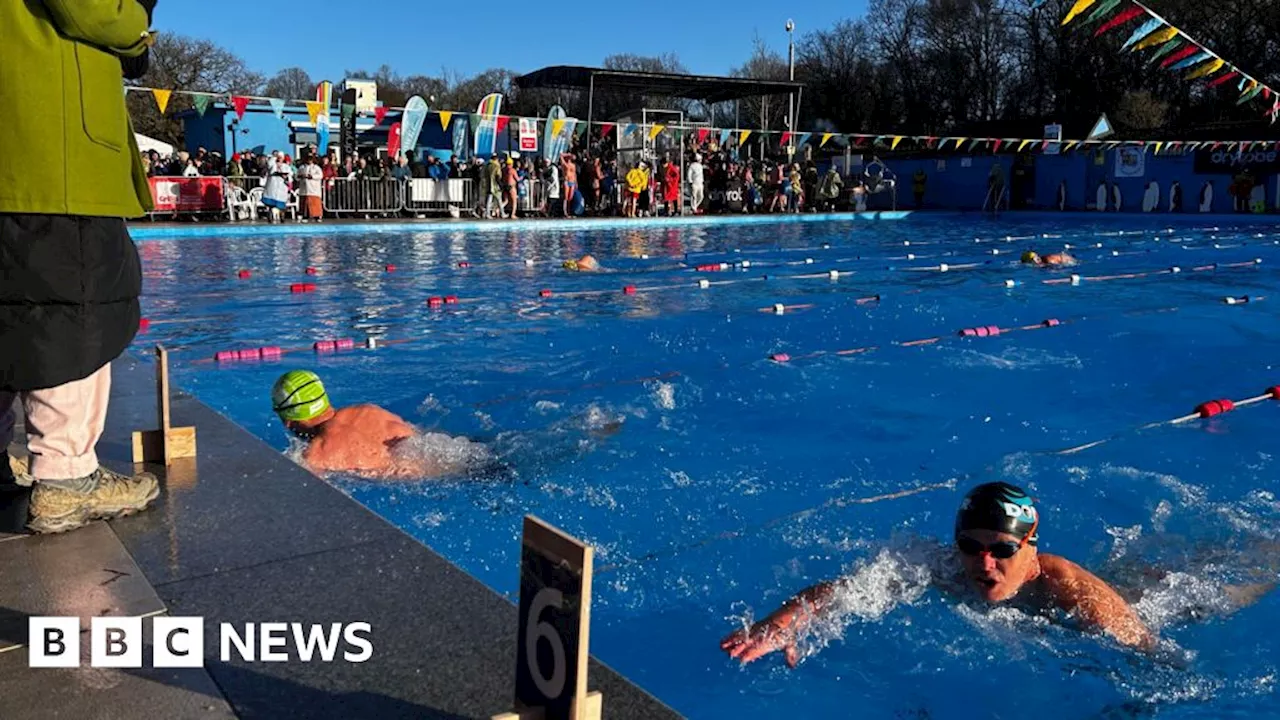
106	495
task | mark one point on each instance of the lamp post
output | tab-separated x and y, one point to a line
791	97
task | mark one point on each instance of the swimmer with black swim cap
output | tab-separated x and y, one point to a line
996	534
1031	257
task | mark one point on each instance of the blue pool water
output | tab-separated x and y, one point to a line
736	481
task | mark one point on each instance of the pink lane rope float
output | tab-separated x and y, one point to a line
1205	410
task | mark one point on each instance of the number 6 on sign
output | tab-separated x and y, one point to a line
553	638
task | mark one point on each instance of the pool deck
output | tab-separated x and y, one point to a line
242	535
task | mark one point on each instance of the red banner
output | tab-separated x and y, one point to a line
184	194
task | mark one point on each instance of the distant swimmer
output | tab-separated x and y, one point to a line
995	541
1051	260
586	263
367	440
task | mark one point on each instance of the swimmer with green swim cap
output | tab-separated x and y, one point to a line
360	440
1051	260
996	537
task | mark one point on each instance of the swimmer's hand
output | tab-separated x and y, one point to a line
766	636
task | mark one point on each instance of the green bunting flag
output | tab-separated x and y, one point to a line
201	102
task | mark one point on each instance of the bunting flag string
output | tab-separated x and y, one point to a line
1202	63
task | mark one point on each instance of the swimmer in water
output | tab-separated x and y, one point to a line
1051	260
586	263
995	539
365	440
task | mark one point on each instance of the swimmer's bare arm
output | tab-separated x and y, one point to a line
778	631
1093	602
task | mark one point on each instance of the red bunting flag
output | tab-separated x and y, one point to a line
1223	78
605	129
1044	146
702	135
785	137
998	142
1182	54
502	122
1266	93
379	113
239	103
1119	20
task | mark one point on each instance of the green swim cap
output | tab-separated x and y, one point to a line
299	395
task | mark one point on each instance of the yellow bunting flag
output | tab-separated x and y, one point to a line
1079	7
1158	146
825	138
653	131
313	110
445	117
959	142
896	139
1156	38
558	124
1024	144
1206	69
162	98
742	137
1070	145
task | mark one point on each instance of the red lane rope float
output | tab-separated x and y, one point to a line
1204	410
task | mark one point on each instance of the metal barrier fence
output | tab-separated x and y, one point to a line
427	195
363	195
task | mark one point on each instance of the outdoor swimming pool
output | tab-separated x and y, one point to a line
737	480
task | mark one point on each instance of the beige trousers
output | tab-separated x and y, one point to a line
63	425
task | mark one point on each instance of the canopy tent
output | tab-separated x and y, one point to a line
146	144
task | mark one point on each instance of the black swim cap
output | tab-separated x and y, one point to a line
999	507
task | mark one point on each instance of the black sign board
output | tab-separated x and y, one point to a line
347	130
1259	161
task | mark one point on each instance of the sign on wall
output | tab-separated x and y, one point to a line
1229	162
1131	162
528	135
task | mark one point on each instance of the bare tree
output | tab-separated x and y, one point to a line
291	84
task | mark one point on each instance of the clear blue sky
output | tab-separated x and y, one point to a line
424	37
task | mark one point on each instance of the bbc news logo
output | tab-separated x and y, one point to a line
178	642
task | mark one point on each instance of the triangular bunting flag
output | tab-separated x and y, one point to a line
996	145
1101	129
629	130
1044	145
1156	38
724	137
277	107
1158	146
579	128
655	131
804	138
446	116
1250	94
605	129
973	144
1143	31
1206	69
1070	145
959	142
784	138
702	134
313	110
1165	49
1102	11
201	102
501	125
825	138
1023	144
1079	7
556	126
1192	60
1175	57
896	139
1221	79
239	103
1266	93
742	137
380	114
162	98
1121	18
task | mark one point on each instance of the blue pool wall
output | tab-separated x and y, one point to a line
953	186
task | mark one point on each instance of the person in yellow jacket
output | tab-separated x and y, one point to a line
637	185
69	273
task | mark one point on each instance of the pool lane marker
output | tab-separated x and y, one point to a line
1204	410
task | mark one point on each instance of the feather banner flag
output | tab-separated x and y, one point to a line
1102	11
1156	38
1079	7
162	99
1120	19
1206	69
1143	31
1192	60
